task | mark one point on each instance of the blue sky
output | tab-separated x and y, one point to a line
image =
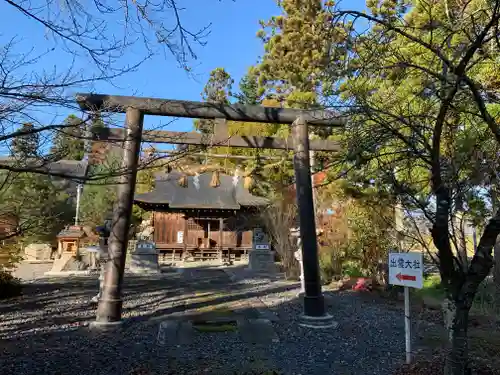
232	44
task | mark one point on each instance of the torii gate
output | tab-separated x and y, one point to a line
110	305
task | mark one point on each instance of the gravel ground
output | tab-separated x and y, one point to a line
45	332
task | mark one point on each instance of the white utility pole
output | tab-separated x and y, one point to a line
78	196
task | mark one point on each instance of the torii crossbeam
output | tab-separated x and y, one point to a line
110	305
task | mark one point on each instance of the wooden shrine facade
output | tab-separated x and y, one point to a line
204	217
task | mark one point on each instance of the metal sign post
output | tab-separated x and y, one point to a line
406	269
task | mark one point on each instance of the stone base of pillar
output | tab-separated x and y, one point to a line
95	299
318	322
105	326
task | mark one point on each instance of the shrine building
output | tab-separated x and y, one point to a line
204	217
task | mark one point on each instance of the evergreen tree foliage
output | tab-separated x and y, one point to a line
267	177
40	208
250	92
27	145
99	196
68	143
422	87
302	48
217	90
304	55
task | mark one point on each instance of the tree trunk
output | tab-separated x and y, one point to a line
496	271
463	288
461	243
496	254
456	319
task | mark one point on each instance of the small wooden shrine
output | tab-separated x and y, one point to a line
203	217
70	239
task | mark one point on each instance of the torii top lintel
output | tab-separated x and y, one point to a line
184	108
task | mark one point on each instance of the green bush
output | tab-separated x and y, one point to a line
10	255
334	265
353	269
9	285
355	240
330	265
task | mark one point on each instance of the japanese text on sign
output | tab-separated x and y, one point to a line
402	263
406	269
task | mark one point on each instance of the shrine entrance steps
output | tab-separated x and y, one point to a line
203	255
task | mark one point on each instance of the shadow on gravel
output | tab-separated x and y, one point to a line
45	332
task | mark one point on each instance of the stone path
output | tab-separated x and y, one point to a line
46	331
251	317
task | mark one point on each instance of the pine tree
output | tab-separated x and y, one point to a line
27	145
250	92
304	54
298	50
426	80
68	142
267	177
217	90
99	196
40	208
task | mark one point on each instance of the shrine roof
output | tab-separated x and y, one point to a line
229	195
72	232
74	169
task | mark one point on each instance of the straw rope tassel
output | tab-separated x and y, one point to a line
215	182
183	181
248	182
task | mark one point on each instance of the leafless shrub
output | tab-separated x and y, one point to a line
279	218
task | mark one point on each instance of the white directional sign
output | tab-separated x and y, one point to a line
406	269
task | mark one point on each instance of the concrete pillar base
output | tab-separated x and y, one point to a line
318	322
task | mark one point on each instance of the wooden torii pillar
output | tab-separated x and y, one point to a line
110	305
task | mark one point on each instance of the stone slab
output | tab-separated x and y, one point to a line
144	263
175	332
254	308
27	271
261	261
167	333
144	258
257	331
185	333
38	261
68	273
267	314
